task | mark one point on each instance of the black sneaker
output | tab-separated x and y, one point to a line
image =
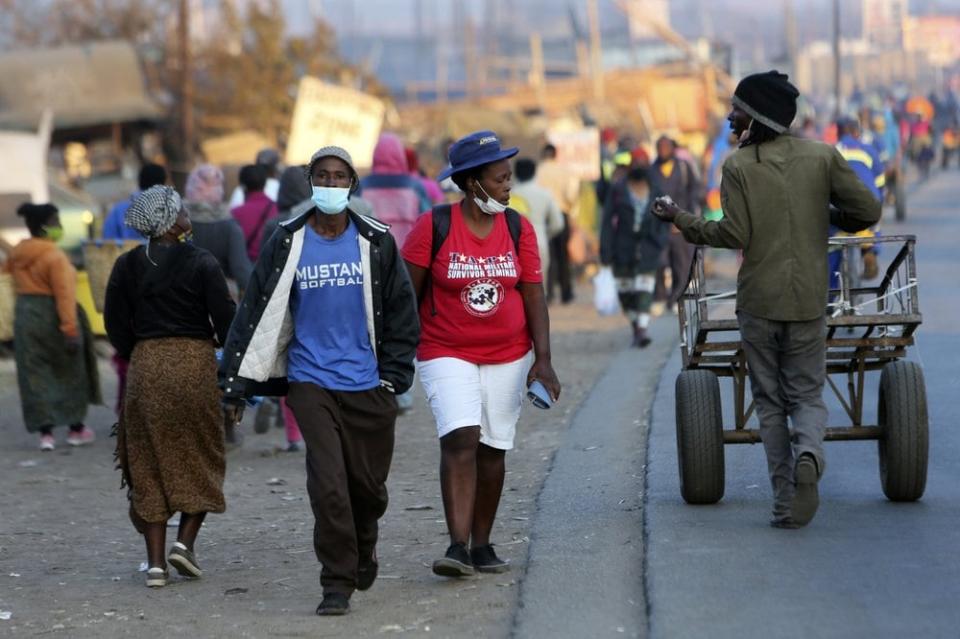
807	499
485	559
367	572
456	563
334	603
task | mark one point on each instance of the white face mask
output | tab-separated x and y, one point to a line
331	200
491	206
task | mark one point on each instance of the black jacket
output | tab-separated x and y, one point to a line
255	356
184	294
631	251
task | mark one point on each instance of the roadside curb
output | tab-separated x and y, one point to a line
587	548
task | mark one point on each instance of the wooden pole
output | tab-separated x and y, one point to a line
186	84
837	61
596	50
537	77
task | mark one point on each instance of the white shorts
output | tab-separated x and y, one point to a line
489	395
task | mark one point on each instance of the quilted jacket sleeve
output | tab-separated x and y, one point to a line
236	389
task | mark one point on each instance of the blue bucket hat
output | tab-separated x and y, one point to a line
476	149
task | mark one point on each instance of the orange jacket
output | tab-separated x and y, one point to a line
40	268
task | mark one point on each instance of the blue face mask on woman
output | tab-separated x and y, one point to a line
331	200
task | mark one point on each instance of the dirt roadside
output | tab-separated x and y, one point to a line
69	558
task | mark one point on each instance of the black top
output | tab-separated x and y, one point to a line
630	247
184	295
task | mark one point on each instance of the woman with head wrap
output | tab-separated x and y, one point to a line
214	228
56	366
167	305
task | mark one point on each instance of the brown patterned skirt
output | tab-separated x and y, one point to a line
170	438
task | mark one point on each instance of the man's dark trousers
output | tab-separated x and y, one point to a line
787	365
349	439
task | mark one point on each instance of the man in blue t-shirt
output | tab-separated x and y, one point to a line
113	226
331	346
345	408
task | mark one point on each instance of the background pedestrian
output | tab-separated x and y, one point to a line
214	229
485	338
166	305
56	364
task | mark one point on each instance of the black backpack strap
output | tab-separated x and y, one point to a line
515	228
441	229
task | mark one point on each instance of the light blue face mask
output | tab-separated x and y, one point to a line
331	200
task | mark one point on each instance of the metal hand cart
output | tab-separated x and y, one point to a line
869	329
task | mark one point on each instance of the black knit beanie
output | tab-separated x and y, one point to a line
768	98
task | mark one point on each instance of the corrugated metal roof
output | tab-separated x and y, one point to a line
84	85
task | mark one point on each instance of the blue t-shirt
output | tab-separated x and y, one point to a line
331	345
113	226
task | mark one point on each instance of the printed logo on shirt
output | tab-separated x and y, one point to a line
468	267
482	298
334	275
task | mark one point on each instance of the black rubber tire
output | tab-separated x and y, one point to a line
904	431
899	201
699	437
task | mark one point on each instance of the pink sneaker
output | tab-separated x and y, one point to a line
47	443
81	438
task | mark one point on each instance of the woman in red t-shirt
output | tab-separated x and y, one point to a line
485	337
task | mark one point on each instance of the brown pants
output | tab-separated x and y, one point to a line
349	440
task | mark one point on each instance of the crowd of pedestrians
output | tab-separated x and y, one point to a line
327	294
331	293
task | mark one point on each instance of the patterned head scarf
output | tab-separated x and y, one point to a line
154	212
205	184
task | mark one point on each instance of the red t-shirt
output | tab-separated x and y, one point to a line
480	316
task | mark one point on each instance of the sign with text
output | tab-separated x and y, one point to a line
578	150
330	115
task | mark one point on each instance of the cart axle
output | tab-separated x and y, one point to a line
845	434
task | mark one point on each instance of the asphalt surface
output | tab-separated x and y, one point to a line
865	567
585	569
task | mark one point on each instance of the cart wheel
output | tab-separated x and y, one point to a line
899	201
904	436
699	437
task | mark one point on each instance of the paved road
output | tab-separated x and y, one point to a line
584	574
865	567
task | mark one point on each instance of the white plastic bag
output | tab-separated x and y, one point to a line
605	292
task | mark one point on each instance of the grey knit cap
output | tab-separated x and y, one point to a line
154	212
332	152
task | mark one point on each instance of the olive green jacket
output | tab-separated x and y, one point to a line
776	200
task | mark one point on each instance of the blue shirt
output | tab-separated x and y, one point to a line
331	344
113	226
865	162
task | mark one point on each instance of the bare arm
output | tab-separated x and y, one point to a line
538	321
418	278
